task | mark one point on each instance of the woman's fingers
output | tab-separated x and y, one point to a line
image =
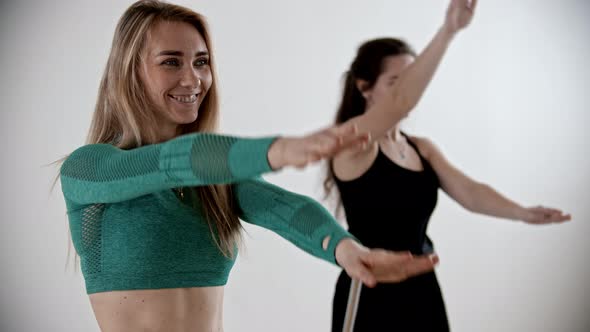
379	265
366	276
329	142
390	266
420	265
543	215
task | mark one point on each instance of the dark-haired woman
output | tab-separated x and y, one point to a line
389	190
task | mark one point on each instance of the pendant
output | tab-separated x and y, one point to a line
179	193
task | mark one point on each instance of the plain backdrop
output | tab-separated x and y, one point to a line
509	106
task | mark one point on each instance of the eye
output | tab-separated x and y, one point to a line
171	62
201	62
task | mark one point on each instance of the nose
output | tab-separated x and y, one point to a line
190	79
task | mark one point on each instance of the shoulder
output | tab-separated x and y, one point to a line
93	149
86	153
426	146
349	165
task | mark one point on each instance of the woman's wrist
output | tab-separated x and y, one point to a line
520	213
275	154
343	249
447	32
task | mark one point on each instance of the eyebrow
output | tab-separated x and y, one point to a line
179	53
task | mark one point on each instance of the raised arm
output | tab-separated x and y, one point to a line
386	112
479	197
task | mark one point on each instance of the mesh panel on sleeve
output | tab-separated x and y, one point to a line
209	157
92	237
85	166
306	221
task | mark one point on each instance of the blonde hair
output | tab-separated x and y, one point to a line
124	116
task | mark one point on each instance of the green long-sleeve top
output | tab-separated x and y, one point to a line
132	232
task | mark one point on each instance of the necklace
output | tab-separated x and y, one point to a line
179	192
399	146
402	152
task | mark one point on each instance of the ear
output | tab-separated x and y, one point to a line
363	87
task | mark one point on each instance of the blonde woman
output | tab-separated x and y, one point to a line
155	197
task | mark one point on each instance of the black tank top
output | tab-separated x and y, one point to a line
389	206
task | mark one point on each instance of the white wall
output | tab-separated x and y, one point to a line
509	106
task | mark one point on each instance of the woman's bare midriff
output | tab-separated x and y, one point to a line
197	309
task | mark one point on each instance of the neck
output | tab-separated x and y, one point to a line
168	132
394	134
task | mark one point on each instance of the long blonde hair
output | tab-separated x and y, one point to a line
124	117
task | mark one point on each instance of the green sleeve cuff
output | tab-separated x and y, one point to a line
336	234
249	157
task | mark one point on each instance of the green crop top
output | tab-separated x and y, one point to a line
132	232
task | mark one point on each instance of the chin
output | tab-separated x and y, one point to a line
183	117
188	120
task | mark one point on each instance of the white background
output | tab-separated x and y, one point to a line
509	106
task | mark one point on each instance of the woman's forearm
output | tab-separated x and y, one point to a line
486	200
412	83
406	92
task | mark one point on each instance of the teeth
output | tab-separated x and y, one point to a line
185	99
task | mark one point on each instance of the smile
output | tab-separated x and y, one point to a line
185	99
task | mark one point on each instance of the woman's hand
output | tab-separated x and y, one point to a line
377	265
459	15
326	143
539	215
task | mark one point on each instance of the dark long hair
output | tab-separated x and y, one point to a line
367	66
